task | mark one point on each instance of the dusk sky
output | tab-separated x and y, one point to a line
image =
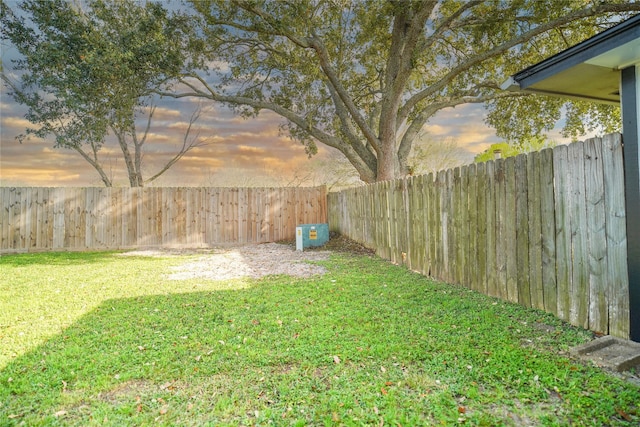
239	151
233	144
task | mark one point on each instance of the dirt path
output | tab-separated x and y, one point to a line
234	262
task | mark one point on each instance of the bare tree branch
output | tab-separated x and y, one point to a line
332	141
189	142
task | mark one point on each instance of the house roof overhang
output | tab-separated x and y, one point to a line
589	70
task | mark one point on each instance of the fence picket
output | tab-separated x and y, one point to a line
510	235
548	233
454	228
439	228
501	233
596	236
535	231
616	273
579	312
524	229
36	219
490	195
481	248
431	231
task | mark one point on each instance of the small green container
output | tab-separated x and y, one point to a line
311	235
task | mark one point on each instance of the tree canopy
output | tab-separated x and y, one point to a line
89	70
365	77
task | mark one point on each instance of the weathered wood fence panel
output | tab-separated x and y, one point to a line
37	219
546	230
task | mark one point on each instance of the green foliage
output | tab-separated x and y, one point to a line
89	69
113	341
504	148
530	117
510	149
365	77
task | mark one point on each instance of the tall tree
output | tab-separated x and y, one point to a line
366	76
88	70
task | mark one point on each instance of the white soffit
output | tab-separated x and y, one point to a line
620	57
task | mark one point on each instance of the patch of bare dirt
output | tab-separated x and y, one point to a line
125	391
235	262
255	260
252	261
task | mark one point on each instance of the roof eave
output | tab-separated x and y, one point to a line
607	40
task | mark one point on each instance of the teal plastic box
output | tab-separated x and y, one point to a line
311	235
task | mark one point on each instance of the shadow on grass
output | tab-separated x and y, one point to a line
124	349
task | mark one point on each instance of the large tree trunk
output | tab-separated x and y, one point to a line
386	160
128	159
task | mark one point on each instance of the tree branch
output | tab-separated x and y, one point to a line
273	23
501	48
417	124
124	147
300	121
152	110
96	165
364	151
345	97
317	45
407	29
446	24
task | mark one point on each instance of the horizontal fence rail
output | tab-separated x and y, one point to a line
37	219
546	230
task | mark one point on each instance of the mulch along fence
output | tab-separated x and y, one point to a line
546	230
39	219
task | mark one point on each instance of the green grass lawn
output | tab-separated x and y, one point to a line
102	339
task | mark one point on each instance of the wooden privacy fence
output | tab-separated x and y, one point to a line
36	219
546	230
